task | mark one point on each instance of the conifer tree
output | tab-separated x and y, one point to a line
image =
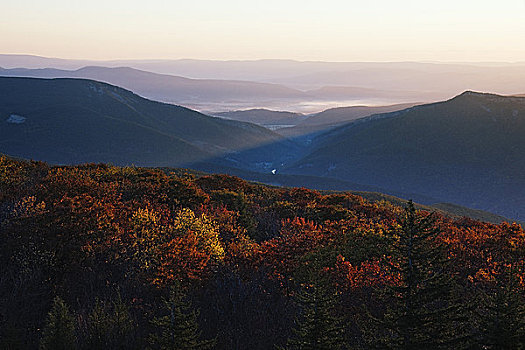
178	330
59	330
318	328
110	326
503	314
421	309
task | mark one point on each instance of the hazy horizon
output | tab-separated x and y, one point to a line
290	85
153	59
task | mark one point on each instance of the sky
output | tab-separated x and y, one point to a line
327	30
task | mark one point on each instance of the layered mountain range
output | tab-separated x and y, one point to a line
467	150
283	85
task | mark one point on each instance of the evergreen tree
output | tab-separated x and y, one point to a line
318	328
59	330
421	310
178	330
503	314
110	326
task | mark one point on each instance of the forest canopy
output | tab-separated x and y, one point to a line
98	256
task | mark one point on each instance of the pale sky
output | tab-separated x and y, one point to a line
328	30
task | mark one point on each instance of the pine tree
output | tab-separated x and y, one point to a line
503	314
318	327
178	330
421	309
59	330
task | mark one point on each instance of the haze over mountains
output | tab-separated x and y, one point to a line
213	94
314	74
173	89
326	84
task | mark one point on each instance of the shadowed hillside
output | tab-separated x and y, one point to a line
68	121
468	150
333	117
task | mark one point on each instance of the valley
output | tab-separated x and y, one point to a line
262	175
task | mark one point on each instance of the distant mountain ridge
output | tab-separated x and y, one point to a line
432	81
167	88
215	95
265	117
297	125
334	117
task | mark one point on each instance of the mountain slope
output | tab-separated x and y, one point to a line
73	121
340	115
467	150
314	124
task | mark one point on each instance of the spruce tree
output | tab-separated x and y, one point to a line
503	314
421	309
178	330
318	328
59	330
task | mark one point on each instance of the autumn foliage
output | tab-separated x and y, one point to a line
99	232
